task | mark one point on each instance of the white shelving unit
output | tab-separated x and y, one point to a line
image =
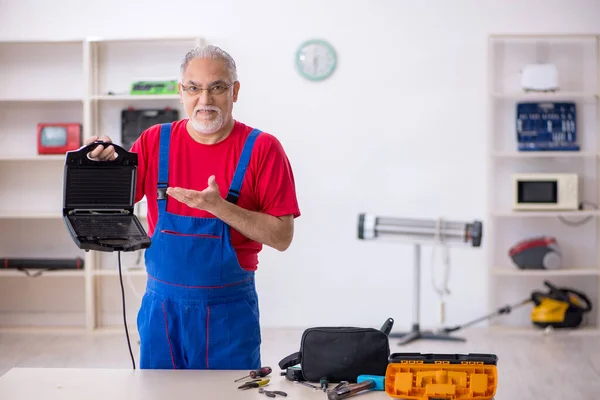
86	81
577	58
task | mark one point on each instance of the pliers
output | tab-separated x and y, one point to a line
254	384
272	393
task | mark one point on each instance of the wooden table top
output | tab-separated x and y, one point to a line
117	384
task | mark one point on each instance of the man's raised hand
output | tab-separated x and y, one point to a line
100	153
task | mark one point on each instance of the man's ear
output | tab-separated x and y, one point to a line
236	89
180	89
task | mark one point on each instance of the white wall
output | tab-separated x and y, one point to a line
399	130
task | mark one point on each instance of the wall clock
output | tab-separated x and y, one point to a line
316	59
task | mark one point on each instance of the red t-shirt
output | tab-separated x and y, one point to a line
268	185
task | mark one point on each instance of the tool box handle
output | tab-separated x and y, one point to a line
80	156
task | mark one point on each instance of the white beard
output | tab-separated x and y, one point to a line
207	126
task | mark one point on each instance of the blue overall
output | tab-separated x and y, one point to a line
200	308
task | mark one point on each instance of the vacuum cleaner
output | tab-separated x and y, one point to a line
557	308
536	253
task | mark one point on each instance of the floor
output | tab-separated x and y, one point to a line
531	366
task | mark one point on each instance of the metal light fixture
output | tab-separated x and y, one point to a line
419	232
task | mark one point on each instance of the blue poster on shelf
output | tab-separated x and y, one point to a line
547	126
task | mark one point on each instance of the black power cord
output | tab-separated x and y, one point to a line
124	313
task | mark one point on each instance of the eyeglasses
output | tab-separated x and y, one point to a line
215	90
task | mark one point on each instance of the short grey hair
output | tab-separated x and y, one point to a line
214	53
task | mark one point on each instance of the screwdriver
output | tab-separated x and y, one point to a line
324	383
262	372
307	384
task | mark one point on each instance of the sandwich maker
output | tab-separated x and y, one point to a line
98	201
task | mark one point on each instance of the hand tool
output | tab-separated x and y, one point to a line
254	384
339	385
387	326
379	381
307	384
367	382
262	372
324	384
272	393
293	374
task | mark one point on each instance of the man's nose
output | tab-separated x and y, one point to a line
204	97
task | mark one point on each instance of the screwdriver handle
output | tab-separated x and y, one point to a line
264	371
387	326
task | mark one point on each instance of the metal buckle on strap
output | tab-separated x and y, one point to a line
161	191
233	196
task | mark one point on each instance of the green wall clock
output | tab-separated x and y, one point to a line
316	59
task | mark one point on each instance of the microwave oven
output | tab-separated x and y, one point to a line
546	192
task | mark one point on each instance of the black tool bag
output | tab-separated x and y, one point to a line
341	353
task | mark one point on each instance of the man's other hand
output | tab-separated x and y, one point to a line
206	199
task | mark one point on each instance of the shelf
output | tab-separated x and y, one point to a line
540	35
543	273
546	214
130	97
30	215
49	157
546	154
72	78
532	330
41	100
43	329
157	39
117	97
545	96
14	273
44	41
577	62
125	272
41	215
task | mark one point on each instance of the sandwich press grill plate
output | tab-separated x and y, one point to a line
98	201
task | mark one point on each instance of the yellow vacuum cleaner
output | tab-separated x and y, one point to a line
559	308
556	308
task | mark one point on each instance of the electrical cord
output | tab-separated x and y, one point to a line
581	221
124	313
138	261
37	273
445	290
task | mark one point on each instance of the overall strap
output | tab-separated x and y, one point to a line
163	166
240	171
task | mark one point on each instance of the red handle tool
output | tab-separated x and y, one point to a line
257	373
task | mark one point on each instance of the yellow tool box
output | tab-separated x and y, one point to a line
417	376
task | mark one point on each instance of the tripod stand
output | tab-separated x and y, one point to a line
416	333
371	227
